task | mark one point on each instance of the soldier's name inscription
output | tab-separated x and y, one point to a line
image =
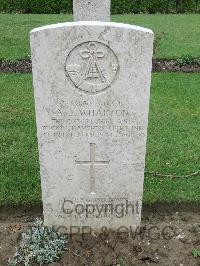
113	120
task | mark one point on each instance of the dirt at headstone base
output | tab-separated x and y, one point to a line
165	238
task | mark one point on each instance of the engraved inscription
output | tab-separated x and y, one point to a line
92	67
100	119
92	164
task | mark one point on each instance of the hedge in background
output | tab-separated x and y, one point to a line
155	6
36	6
118	6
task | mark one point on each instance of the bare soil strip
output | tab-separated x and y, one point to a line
171	65
167	237
159	65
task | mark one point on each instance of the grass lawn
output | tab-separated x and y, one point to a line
182	32
173	143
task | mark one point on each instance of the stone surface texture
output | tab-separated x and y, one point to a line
91	10
92	89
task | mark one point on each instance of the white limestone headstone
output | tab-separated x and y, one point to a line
91	10
92	89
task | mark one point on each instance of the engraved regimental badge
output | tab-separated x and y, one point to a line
92	67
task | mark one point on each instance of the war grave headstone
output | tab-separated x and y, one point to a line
92	89
91	10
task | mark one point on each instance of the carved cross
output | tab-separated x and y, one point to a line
92	163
